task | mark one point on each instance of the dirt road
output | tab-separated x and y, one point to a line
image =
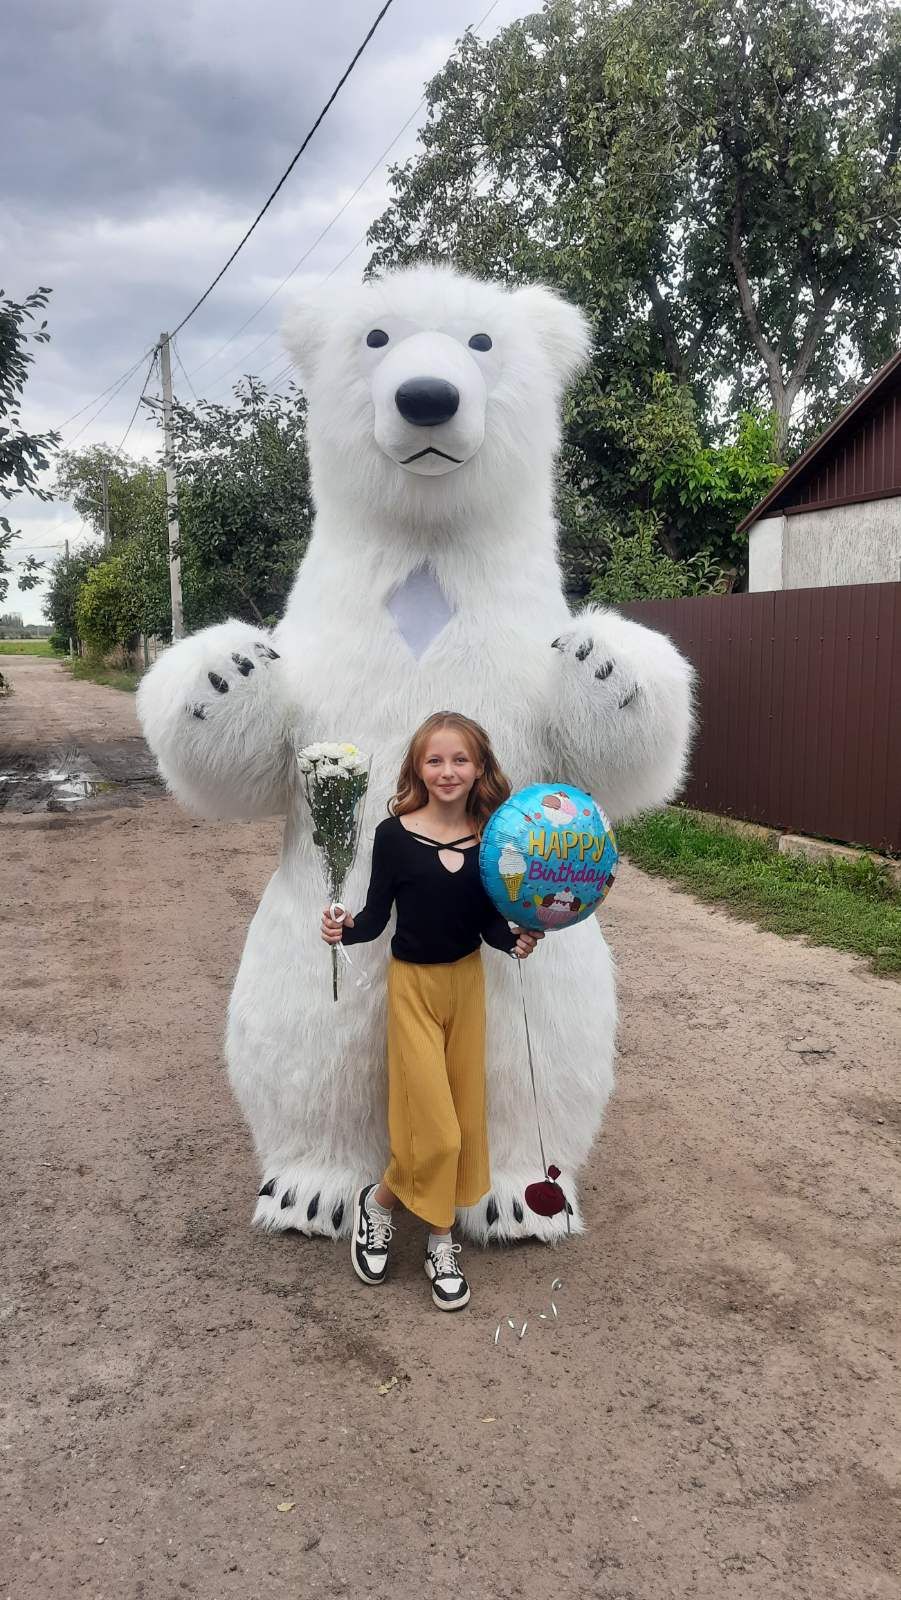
189	1409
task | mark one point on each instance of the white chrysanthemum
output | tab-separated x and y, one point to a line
332	759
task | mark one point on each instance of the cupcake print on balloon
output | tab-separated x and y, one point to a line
548	857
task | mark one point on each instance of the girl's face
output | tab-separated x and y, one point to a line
447	768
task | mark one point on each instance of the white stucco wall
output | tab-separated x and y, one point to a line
765	554
816	549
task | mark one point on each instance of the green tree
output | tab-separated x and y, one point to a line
136	495
243	502
105	615
136	491
22	455
717	185
67	575
635	567
244	518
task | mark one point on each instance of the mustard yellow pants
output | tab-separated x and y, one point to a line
436	1087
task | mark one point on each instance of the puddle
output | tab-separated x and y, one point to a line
48	788
69	779
70	785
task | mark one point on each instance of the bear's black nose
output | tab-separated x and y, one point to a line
427	401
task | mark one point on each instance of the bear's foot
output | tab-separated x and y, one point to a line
503	1215
308	1199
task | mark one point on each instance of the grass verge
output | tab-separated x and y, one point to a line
87	671
26	647
849	905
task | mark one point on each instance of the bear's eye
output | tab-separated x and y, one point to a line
480	341
376	338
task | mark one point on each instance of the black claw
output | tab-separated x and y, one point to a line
569	1208
491	1212
266	651
244	666
288	1198
199	712
219	684
338	1216
268	1189
557	644
627	701
517	1210
604	671
584	649
312	1208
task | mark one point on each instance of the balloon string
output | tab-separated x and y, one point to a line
525	1017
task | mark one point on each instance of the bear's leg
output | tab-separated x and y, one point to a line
569	992
307	1198
309	1075
504	1216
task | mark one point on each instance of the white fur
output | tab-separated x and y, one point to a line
309	1074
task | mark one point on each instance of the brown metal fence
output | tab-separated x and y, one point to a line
799	700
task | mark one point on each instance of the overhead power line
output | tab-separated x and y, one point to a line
114	388
292	164
184	372
23	559
116	391
117	383
305	257
141	396
319	238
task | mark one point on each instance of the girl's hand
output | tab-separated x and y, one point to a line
331	927
526	942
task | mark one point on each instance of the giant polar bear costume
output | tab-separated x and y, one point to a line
431	582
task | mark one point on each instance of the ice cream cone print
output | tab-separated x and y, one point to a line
511	868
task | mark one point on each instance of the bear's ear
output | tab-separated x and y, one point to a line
561	328
304	332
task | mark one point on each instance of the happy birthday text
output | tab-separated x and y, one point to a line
564	843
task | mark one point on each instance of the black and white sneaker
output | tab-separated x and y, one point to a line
450	1291
370	1240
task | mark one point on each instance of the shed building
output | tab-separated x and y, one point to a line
835	515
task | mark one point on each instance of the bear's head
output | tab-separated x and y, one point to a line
433	394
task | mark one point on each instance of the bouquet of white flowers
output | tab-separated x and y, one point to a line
335	779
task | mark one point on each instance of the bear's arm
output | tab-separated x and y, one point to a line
621	714
215	712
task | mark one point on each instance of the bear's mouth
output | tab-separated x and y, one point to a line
431	451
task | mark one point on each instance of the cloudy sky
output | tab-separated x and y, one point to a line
146	139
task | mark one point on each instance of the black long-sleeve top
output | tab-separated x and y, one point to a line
441	915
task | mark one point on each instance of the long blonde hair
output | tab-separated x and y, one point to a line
490	789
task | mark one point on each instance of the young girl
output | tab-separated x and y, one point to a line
425	859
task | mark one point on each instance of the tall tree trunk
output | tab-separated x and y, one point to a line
783	393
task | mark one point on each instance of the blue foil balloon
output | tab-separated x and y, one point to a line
548	857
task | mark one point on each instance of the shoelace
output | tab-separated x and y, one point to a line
379	1235
445	1261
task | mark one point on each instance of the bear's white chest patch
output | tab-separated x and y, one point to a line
420	609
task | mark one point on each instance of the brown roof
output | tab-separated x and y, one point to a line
852	481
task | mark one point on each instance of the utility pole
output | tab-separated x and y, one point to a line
104	486
71	646
178	628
